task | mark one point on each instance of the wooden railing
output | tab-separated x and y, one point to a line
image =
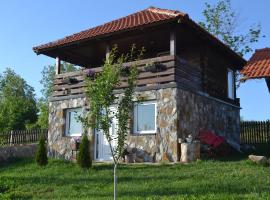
255	132
72	83
22	136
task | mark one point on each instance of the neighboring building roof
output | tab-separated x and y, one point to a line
144	17
258	66
149	16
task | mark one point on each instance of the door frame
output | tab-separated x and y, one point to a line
104	138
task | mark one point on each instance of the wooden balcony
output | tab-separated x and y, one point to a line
72	83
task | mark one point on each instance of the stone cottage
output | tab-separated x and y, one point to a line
193	91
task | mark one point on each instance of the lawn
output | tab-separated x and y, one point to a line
235	179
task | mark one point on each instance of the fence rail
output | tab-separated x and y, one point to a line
22	136
255	132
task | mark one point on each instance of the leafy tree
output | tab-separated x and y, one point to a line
41	154
17	102
84	157
223	22
100	95
48	74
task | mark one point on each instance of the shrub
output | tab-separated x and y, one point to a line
84	157
41	155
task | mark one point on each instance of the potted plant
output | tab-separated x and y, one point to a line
129	155
125	71
75	143
90	74
154	67
70	80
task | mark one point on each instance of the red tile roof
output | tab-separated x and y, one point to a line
144	17
258	66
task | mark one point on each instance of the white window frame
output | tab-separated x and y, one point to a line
135	117
67	122
231	86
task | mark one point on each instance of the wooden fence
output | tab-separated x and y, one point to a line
22	136
255	132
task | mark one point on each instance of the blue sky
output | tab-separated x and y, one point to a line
27	23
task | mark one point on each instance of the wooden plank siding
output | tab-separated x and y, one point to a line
188	75
145	78
199	76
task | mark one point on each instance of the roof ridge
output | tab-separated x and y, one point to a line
263	49
169	12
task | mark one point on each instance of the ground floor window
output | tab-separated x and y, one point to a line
145	117
73	124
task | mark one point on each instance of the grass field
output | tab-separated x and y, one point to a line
235	179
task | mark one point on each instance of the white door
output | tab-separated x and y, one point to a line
102	148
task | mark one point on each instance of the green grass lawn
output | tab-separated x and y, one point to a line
235	179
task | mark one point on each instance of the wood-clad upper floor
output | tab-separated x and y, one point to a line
191	58
186	74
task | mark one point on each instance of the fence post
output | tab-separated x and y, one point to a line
11	138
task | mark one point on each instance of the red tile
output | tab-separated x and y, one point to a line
258	66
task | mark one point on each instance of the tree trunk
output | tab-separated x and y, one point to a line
115	182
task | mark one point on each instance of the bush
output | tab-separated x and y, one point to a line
41	155
84	157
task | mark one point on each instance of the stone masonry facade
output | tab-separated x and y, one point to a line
179	113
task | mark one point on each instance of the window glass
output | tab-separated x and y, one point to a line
230	84
145	117
73	125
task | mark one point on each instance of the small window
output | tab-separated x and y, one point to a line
145	117
230	84
73	125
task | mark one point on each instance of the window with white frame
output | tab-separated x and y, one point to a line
145	117
73	125
230	79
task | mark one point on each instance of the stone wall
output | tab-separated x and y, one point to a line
198	112
179	113
163	144
59	145
13	152
149	147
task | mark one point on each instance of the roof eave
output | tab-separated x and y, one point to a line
241	60
44	50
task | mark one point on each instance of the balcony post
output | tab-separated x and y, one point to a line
57	65
107	51
172	43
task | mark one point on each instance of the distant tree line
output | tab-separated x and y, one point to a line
19	107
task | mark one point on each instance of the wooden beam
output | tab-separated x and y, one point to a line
172	43
107	50
57	65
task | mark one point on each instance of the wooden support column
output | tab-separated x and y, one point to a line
107	50
172	43
57	65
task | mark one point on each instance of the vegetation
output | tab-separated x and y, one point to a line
48	74
222	21
235	179
41	155
17	102
101	96
84	158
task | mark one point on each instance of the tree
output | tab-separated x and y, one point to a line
84	157
41	154
17	102
223	22
100	95
48	74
